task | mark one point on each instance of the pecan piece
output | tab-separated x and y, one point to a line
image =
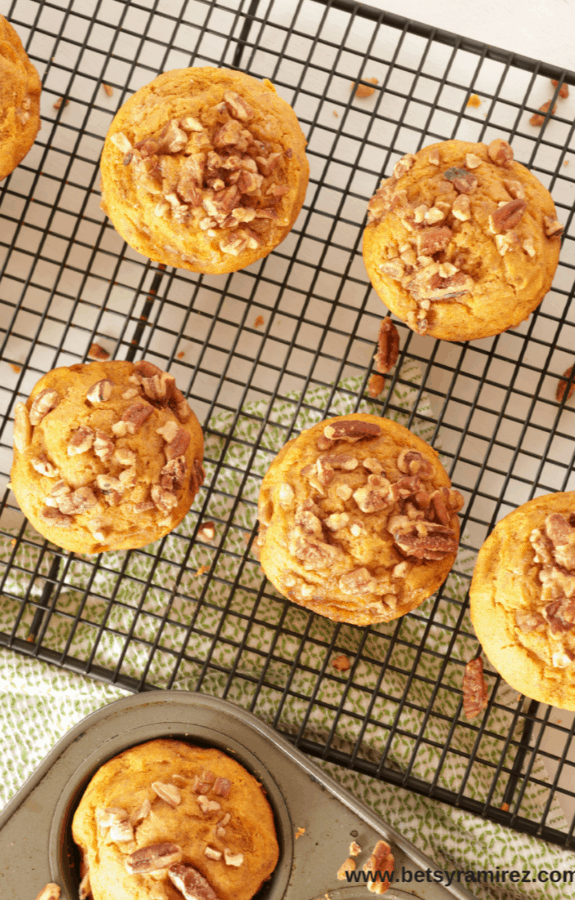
387	347
144	369
560	614
173	474
167	792
348	866
153	857
426	540
474	688
527	621
553	228
380	865
563	90
81	441
432	240
43	466
45	402
537	119
165	500
562	386
101	391
351	430
500	152
53	516
375	386
359	581
508	216
103	445
78	501
238	107
135	416
286	495
412	462
463	181
49	892
190	883
373	496
22	430
403	165
233	859
178	445
363	90
341	663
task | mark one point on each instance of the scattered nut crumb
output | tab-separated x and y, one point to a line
259	322
59	102
474	100
564	89
348	866
109	90
13	542
561	387
97	352
207	531
202	571
299	832
566	163
505	807
180	355
336	114
538	120
375	385
341	663
15	368
362	90
354	849
387	346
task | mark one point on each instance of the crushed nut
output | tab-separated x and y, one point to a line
49	892
348	866
508	216
563	90
81	441
562	386
474	688
97	352
44	402
101	391
537	119
43	466
153	857
363	90
500	152
341	663
191	884
212	853
375	386
387	347
379	863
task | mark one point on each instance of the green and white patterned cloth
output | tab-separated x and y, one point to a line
42	702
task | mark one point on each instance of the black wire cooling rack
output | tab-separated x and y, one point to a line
264	352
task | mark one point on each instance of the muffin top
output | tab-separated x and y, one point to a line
169	821
358	520
20	88
522	598
204	169
107	455
462	242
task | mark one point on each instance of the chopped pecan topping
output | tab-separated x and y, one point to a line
387	346
208	806
153	857
474	688
117	821
50	891
167	792
159	387
381	861
120	140
95	351
433	240
211	852
103	445
286	495
135	416
45	402
463	181
426	540
359	581
461	208
553	228
537	119
173	474
351	430
238	107
78	501
22	429
178	445
101	391
190	883
509	215
562	385
560	614
207	531
500	152
81	441
57	492
412	462
528	621
53	516
403	165
373	496
165	500
515	189
43	466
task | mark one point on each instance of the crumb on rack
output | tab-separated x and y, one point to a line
299	832
336	114
562	386
98	352
375	385
505	807
563	90
180	355
59	102
259	322
341	663
109	90
202	571
363	90
536	119
474	100
16	368
207	531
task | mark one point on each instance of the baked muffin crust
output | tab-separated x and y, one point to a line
522	598
204	169
358	521
462	242
20	89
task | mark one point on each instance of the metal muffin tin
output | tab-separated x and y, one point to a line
36	845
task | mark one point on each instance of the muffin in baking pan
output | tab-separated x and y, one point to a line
358	520
462	242
204	169
522	599
166	820
20	89
107	455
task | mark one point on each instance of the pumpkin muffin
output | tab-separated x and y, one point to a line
107	456
20	89
462	242
358	520
523	599
170	821
204	169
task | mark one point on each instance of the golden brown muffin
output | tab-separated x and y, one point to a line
107	456
358	521
204	169
462	242
523	599
164	815
20	89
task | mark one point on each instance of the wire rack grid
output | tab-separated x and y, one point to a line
265	352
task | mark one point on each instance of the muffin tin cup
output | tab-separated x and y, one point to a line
315	818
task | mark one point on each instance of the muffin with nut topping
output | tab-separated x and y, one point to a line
20	89
204	169
462	242
522	599
107	456
169	821
358	520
